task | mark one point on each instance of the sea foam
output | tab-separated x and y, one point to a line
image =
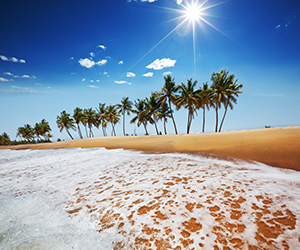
105	199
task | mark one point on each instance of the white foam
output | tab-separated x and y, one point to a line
94	185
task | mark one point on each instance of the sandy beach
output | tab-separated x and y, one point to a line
277	147
159	201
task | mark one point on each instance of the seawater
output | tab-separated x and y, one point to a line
96	198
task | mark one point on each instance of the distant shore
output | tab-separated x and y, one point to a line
277	147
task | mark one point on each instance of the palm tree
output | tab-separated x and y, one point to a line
152	106
4	139
222	84
125	108
163	113
38	130
113	117
26	132
204	100
188	99
64	121
78	117
101	115
142	116
167	95
232	93
90	119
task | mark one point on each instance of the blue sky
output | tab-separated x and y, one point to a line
58	55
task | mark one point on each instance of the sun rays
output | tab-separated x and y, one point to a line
193	13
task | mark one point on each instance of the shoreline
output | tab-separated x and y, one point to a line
277	147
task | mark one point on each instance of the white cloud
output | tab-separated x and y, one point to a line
93	86
121	62
25	76
72	58
167	73
102	62
83	79
86	63
92	54
4	58
120	82
178	1
130	74
97	80
149	74
8	73
91	80
3	79
12	59
160	64
102	47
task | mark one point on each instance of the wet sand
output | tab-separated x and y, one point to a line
277	147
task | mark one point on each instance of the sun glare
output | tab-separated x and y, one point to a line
193	12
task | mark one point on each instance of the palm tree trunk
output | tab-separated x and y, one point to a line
124	123
114	130
226	107
203	125
91	132
69	134
103	130
165	125
79	131
155	125
172	117
145	128
189	123
86	131
216	129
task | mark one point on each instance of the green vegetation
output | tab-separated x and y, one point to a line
29	134
223	92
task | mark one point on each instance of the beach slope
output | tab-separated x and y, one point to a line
277	147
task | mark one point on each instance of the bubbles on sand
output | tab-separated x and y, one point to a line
131	200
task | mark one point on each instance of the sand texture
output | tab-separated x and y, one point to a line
277	147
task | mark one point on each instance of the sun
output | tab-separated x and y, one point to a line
192	12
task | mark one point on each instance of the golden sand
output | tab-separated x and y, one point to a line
277	147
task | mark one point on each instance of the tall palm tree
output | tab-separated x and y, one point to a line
90	119
113	116
167	94
152	105
163	113
204	100
142	116
125	108
78	117
45	129
65	121
26	132
221	89
38	130
188	99
102	117
232	93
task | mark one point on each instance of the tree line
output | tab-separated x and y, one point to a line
159	106
223	92
29	134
